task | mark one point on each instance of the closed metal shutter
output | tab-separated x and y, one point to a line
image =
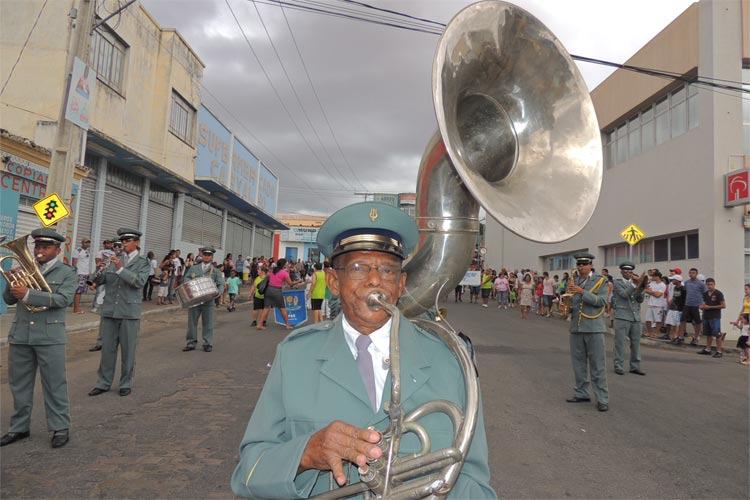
158	229
247	240
192	224
263	242
201	223
27	221
233	241
121	209
212	229
86	208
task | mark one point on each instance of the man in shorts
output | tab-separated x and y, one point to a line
656	302
713	303
82	262
691	313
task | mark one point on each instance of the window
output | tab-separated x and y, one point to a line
609	149
678	113
661	250
107	57
692	246
622	144
647	130
662	121
182	118
693	106
615	254
560	262
645	251
677	248
634	137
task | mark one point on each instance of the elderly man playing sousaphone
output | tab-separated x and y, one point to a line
326	397
37	338
204	269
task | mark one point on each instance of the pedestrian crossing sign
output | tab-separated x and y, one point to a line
632	234
50	210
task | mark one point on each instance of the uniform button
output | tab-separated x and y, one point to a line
31	322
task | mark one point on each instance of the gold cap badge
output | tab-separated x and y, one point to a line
373	214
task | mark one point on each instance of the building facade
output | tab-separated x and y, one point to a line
668	145
155	158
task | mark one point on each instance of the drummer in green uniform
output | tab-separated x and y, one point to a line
587	329
37	338
205	310
627	319
330	380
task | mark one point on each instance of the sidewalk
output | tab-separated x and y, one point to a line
89	320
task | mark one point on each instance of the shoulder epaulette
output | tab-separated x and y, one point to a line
323	326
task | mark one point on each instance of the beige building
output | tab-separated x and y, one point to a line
139	168
668	145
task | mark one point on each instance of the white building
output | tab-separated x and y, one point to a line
667	148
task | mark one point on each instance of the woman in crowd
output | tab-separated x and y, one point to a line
273	297
189	261
743	323
526	296
148	288
167	265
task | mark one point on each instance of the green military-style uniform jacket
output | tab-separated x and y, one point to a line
314	380
206	309
196	271
44	327
627	303
587	309
124	290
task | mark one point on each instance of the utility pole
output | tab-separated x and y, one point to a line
69	138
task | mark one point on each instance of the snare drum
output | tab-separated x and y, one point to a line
196	292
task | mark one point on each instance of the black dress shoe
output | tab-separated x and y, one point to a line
60	438
12	437
637	372
208	348
96	391
124	391
189	347
619	371
602	406
95	348
576	399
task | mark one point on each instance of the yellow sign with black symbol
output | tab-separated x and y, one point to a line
632	234
50	210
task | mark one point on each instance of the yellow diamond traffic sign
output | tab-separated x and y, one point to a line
632	234
50	209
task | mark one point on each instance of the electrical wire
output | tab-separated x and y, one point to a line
23	47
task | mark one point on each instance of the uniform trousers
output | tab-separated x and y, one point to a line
206	311
628	330
123	333
23	361
587	353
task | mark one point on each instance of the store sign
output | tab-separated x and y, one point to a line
737	188
268	186
213	149
304	234
243	177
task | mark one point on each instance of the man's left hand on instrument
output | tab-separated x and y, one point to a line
19	291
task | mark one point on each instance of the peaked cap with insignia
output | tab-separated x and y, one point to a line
369	226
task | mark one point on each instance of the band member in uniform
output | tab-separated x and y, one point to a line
628	300
38	339
206	310
587	329
124	276
326	385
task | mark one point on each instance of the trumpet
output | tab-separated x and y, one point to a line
28	274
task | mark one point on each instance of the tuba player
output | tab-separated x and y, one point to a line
329	381
38	339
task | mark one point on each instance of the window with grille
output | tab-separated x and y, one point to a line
182	118
107	57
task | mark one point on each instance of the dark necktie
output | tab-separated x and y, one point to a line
364	362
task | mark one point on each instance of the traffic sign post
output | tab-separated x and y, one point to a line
632	234
50	210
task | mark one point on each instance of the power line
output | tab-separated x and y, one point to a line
23	47
320	105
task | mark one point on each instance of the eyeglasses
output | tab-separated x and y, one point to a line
208	254
357	271
583	263
127	239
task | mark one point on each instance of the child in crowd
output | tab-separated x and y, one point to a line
233	287
744	328
161	298
256	297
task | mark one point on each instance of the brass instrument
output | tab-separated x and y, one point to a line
567	297
427	473
641	283
28	274
515	123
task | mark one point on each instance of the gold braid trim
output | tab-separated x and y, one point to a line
247	481
594	316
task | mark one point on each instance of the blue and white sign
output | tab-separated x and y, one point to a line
472	278
9	202
213	158
82	87
243	177
294	300
268	187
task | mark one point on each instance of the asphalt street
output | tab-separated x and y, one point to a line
679	432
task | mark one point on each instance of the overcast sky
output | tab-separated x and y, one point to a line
372	82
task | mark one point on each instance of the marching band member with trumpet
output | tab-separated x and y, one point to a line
587	329
329	381
124	275
38	339
628	300
205	268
